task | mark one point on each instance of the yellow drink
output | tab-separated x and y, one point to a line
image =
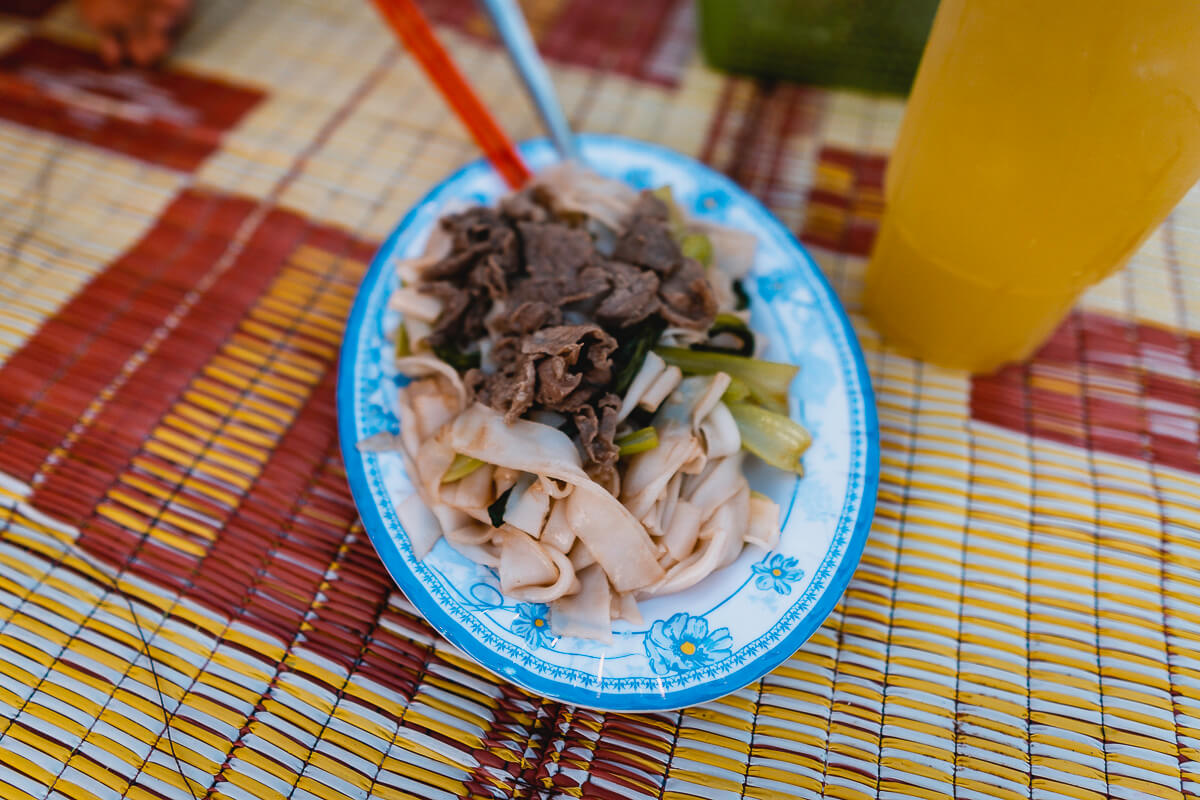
1043	142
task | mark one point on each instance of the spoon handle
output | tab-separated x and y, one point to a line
510	23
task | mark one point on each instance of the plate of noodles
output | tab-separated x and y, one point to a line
612	434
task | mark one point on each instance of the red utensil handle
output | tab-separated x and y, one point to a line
407	21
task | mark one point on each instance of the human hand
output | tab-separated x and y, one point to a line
135	30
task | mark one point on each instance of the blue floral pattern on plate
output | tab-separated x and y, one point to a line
777	572
683	643
532	623
728	630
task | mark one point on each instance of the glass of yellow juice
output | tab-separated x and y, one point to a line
1044	140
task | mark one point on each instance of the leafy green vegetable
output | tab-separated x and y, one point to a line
674	215
402	347
461	467
456	358
767	381
697	246
737	391
743	299
638	441
728	324
496	509
631	352
693	243
775	438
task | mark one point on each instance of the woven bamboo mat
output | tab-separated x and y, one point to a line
188	607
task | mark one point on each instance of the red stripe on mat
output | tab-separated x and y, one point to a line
845	201
1124	388
120	429
615	36
48	383
165	117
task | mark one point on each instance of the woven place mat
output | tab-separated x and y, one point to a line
189	608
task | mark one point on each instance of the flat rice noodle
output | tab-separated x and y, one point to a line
432	412
555	489
683	531
577	189
682	337
432	460
471	533
411	303
424	366
528	512
532	573
504	479
649	473
669	499
486	554
440	241
418	332
451	519
616	540
720	433
652	367
694	399
472	493
667	382
411	271
733	515
525	446
659	518
581	557
721	480
625	607
722	289
762	530
699	565
614	536
410	431
419	524
733	249
587	614
522	561
557	531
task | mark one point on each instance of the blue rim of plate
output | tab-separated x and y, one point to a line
478	651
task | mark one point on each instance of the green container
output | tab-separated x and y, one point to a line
863	44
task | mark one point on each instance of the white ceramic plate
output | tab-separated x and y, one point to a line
740	622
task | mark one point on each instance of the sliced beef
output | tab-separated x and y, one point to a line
474	234
687	298
555	381
522	207
648	206
560	368
597	426
647	241
463	310
549	300
586	347
634	295
511	390
553	250
520	317
482	262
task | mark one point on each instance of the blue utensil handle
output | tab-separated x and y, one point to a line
510	23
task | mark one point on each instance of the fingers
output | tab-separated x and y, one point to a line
147	42
110	49
137	31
